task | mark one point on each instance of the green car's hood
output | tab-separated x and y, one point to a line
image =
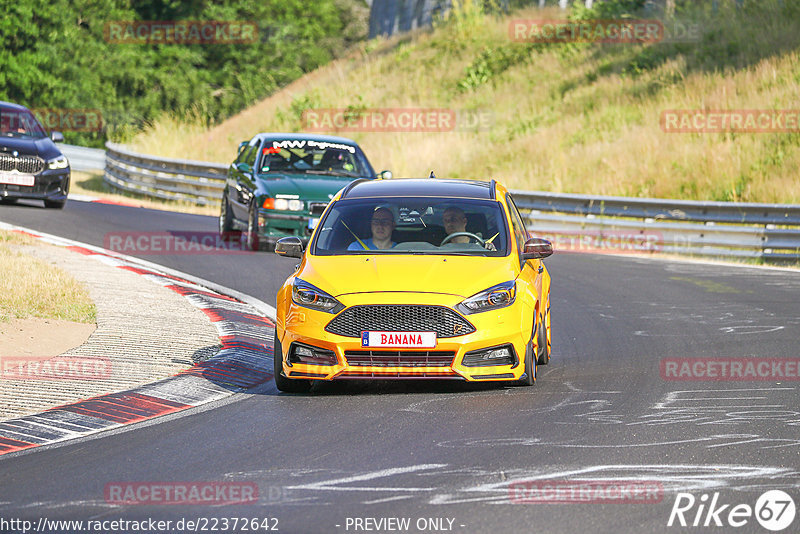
305	186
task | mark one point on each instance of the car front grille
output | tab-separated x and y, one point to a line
399	358
23	164
399	318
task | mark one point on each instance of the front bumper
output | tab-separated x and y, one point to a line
50	184
273	224
504	327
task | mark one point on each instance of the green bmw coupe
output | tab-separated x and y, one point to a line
280	184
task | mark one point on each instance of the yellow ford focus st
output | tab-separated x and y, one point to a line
424	279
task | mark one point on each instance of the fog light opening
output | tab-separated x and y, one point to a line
309	355
503	355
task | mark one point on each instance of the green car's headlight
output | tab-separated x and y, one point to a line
58	163
309	296
495	297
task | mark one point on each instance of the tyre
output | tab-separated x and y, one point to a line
287	385
226	231
55	204
543	348
530	365
8	200
252	241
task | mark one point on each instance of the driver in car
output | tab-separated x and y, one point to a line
455	221
382	226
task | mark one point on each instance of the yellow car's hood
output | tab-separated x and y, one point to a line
454	275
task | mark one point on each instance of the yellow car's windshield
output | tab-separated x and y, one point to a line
413	225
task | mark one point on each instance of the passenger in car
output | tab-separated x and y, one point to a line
382	225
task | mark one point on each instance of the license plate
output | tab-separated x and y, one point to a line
15	178
312	223
422	340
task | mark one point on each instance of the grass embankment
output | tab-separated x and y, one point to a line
30	287
573	118
92	184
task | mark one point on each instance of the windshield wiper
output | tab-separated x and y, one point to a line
331	173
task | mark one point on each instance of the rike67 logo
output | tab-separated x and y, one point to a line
774	510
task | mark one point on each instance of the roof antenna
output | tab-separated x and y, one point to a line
432	175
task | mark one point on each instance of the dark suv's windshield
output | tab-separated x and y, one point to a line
413	225
314	157
15	123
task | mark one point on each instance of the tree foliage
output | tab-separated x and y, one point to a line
54	55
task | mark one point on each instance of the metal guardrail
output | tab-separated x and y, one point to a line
200	182
572	222
621	224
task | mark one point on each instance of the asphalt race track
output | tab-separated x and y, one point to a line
452	456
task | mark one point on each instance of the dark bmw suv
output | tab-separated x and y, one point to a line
31	165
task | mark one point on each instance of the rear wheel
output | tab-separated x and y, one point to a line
287	385
8	200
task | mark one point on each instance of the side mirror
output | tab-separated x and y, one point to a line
290	247
385	175
57	137
242	146
536	248
244	167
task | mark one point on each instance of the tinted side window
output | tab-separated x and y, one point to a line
252	154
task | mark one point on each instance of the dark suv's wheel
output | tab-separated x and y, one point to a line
55	204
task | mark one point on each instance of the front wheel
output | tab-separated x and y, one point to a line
226	231
252	241
543	349
55	204
529	378
287	385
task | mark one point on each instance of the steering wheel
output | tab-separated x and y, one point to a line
468	234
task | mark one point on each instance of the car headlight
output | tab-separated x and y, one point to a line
495	297
285	204
60	162
308	296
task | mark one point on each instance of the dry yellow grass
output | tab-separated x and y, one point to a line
580	119
30	287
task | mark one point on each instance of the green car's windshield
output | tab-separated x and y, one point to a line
314	157
14	123
413	225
